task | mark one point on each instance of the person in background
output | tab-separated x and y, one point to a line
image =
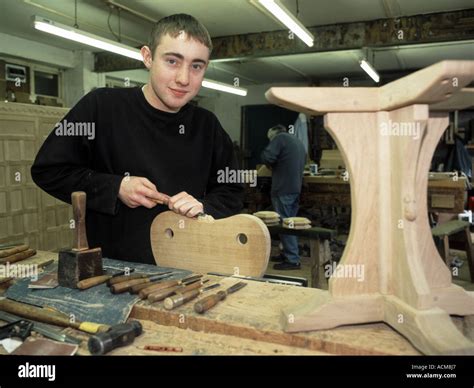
286	156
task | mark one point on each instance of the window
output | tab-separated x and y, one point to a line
46	84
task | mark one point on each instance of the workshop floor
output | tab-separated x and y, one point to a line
462	279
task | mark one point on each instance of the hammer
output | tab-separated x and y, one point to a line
80	262
119	335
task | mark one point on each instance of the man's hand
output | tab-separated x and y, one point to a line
185	204
137	191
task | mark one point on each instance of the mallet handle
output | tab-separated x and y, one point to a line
78	201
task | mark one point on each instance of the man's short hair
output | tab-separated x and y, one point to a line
177	24
278	128
273	131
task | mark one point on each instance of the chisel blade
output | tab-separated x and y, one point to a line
235	287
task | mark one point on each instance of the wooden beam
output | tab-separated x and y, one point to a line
430	28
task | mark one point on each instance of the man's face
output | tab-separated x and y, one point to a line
176	70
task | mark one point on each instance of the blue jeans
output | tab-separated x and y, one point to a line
287	206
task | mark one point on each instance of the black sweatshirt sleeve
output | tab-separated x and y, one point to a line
65	163
223	199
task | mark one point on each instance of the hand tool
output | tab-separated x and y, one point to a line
162	294
266	279
209	301
121	287
161	348
119	335
143	294
48	316
42	329
19	329
80	262
141	286
180	299
199	215
10	245
96	280
26	254
12	250
124	278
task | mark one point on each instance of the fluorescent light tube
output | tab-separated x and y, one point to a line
286	17
369	70
207	83
76	35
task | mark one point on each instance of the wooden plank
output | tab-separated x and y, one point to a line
460	101
254	312
433	84
239	244
449	228
198	343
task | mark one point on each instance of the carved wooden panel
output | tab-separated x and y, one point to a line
27	214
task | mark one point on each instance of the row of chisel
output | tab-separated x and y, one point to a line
154	288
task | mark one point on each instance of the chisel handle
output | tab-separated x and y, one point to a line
13	250
18	256
121	287
138	287
208	302
124	278
92	282
155	287
180	299
162	294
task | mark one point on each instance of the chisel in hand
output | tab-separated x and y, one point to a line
180	299
162	294
170	283
209	301
96	280
118	288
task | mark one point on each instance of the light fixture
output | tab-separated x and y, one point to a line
77	35
369	70
279	11
207	83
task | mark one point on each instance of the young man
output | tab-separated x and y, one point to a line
150	145
286	156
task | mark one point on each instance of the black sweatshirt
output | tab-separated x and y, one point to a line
176	151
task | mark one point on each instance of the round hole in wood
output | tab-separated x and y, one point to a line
169	233
242	238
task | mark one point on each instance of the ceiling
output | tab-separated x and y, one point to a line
231	17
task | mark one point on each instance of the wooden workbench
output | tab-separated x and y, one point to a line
444	195
248	322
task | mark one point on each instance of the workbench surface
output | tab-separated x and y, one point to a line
248	322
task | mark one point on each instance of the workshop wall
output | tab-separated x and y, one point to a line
227	107
27	214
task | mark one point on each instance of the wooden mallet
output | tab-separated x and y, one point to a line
80	262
